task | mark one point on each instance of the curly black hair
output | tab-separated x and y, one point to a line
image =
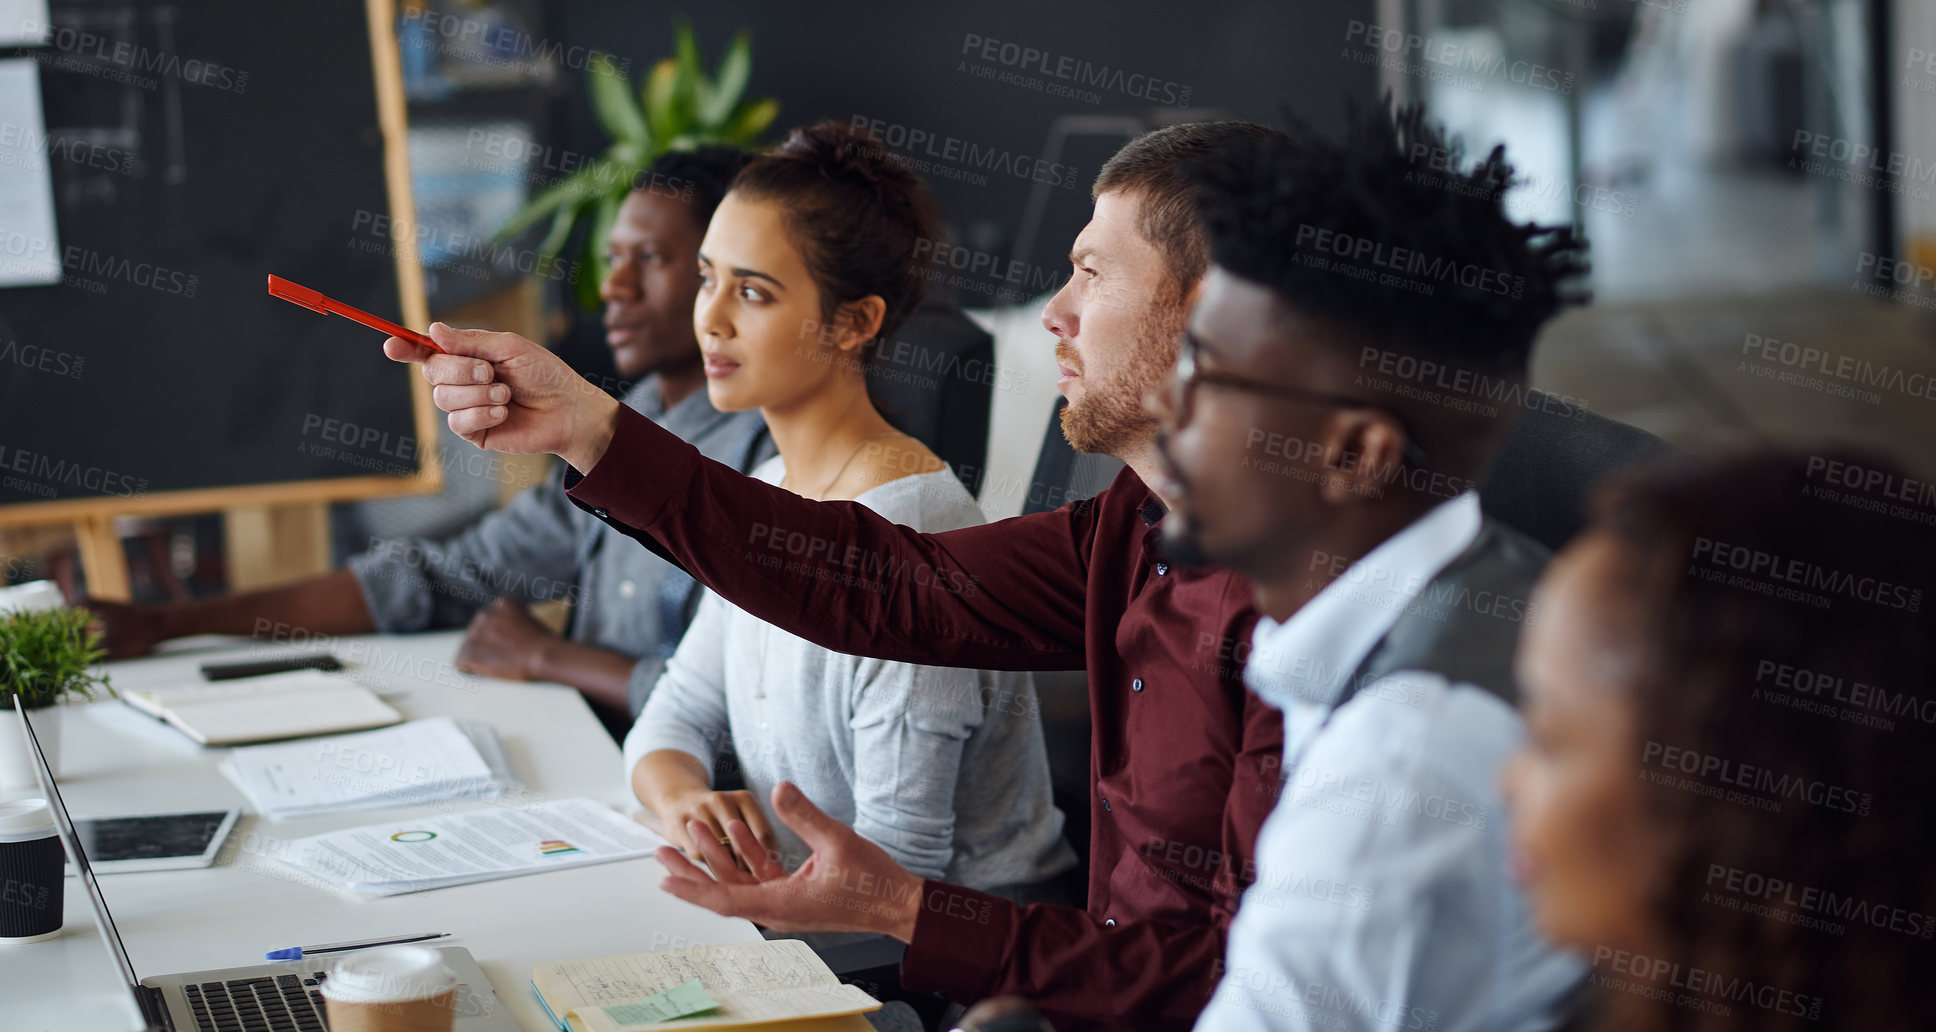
1777	596
1386	232
699	177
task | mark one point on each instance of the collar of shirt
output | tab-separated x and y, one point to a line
1304	661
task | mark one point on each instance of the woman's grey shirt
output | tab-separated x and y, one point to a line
944	768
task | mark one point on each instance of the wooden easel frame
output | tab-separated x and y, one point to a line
258	510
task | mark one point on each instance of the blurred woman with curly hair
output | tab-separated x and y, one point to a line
1723	803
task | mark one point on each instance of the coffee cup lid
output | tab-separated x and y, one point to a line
24	819
393	974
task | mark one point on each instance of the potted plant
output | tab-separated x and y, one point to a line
679	108
46	656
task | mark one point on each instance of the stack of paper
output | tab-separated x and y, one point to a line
413	854
423	761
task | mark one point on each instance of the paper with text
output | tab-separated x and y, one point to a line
419	762
412	854
688	997
754	983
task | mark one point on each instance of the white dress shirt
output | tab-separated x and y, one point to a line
1383	898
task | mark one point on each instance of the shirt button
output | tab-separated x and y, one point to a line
1136	685
626	589
601	514
1109	922
1162	568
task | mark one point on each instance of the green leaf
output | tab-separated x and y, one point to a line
676	108
559	233
603	219
735	68
685	93
749	121
627	152
611	97
45	656
591	272
661	99
565	196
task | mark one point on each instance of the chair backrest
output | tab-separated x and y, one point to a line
1064	475
1552	461
934	381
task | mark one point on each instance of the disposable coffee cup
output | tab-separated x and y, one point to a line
33	896
32	597
393	989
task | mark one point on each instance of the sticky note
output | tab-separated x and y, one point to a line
677	1002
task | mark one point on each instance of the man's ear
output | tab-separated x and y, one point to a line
858	322
1363	450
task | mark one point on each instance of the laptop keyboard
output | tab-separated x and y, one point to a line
283	1003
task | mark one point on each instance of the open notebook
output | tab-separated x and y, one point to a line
263	709
754	983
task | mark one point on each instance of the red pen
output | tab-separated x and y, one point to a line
308	298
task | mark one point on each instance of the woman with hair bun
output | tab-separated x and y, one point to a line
811	257
1723	805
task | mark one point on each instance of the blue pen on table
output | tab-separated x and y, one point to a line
299	952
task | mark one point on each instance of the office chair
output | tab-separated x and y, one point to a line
935	381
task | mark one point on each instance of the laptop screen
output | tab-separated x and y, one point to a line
78	855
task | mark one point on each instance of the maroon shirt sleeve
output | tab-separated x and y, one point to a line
1081	973
1011	595
1006	596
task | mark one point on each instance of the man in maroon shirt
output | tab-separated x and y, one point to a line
1182	758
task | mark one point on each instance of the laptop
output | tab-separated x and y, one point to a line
259	998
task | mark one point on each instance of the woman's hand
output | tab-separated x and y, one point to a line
506	394
847	884
692	816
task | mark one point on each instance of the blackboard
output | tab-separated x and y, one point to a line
194	149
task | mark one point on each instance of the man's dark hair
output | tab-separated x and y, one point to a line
1382	232
1153	168
699	177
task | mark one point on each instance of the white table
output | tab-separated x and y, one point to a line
230	914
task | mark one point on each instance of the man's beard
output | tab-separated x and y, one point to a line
1110	418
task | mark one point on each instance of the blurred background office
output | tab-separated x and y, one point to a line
1756	177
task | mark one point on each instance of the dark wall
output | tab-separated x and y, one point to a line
194	150
909	65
